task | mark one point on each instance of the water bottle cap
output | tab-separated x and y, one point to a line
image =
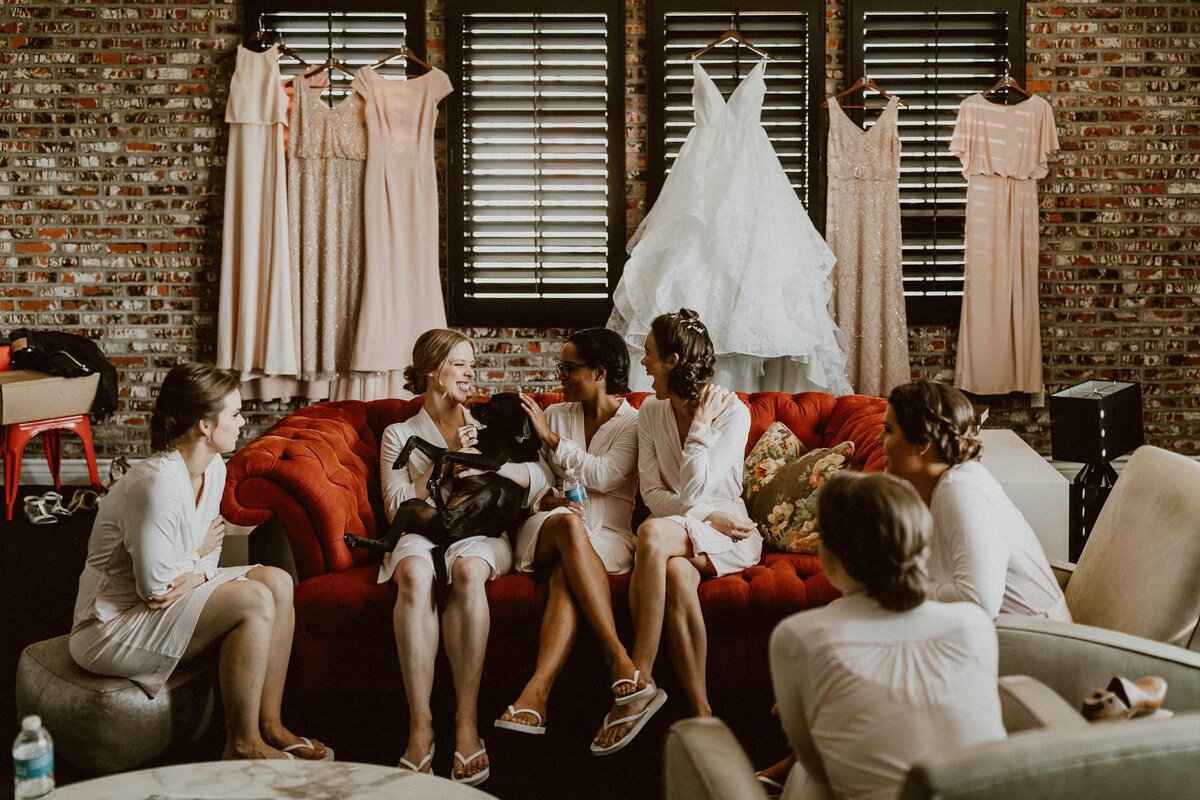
31	723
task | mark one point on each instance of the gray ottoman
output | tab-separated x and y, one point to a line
103	725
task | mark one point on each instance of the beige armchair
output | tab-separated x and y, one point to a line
1134	594
704	761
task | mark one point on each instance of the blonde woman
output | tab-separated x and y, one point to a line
443	370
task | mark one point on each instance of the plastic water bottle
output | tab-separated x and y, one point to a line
573	489
33	760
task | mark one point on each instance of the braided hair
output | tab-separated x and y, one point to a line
941	415
878	528
682	333
191	392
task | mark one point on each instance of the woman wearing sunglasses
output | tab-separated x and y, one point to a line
594	435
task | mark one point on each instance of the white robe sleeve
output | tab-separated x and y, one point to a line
661	499
605	472
398	486
152	531
978	553
708	454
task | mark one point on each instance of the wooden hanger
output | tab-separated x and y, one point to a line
408	55
1006	82
263	37
862	83
731	35
331	63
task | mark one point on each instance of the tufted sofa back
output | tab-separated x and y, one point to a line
317	470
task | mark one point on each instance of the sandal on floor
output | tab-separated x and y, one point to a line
83	500
521	727
640	719
420	765
36	511
116	469
54	504
307	744
626	699
478	777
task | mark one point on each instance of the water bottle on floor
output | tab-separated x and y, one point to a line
575	491
33	760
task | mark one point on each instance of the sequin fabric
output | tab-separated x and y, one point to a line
327	150
863	229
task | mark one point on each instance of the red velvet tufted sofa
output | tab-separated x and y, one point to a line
315	474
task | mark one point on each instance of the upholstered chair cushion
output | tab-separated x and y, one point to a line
1140	570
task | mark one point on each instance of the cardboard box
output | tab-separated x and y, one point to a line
26	395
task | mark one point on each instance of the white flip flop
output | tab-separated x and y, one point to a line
307	742
520	727
640	719
420	765
626	699
478	777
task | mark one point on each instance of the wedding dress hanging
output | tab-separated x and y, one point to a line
729	238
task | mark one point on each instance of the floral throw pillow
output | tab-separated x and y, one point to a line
775	448
786	509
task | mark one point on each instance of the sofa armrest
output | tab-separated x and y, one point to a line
1141	758
1029	704
316	473
1075	660
703	760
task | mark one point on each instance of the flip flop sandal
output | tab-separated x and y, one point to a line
521	727
420	765
626	699
54	504
639	719
478	777
306	743
773	787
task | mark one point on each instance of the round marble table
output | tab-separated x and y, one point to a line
256	780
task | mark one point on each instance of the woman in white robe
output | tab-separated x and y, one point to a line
594	435
982	549
691	441
151	594
870	685
443	369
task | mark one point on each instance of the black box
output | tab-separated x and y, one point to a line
1096	421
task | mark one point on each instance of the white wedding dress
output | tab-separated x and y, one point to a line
729	238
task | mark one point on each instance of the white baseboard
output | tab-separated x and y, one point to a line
73	471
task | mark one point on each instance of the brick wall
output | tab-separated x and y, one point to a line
112	167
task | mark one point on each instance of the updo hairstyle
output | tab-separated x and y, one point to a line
600	347
429	353
191	392
878	528
682	333
941	415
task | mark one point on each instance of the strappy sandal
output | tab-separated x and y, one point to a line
626	699
1125	698
116	469
420	765
36	511
83	500
478	777
54	504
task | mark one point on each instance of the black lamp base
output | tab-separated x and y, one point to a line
1089	491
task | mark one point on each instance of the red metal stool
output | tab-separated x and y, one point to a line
19	434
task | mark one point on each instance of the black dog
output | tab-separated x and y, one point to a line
487	504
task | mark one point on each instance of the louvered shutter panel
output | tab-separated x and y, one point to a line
537	204
784	30
357	34
933	56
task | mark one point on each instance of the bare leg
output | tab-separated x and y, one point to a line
689	638
659	540
243	613
467	622
415	625
270	718
560	622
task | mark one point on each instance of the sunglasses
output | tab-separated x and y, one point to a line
566	369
